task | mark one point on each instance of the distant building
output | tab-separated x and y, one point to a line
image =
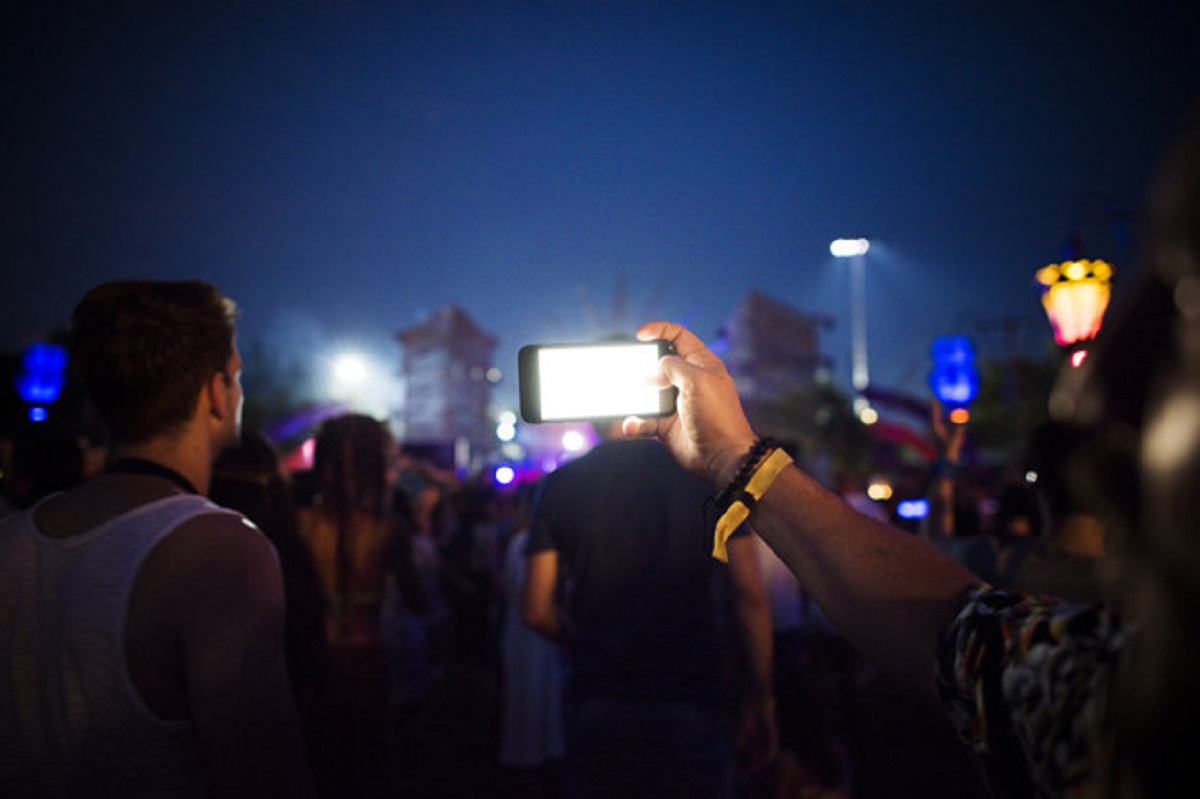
773	349
448	372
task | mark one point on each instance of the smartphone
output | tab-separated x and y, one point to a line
581	382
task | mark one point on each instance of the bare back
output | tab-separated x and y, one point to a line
354	608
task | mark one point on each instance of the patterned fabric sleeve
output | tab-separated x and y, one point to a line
1025	680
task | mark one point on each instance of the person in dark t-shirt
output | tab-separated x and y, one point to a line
621	572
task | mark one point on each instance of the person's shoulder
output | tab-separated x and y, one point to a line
209	562
220	538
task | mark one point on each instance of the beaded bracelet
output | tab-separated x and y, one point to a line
742	476
748	486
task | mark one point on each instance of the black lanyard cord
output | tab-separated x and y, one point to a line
141	466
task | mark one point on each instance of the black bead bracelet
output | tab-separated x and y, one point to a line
737	486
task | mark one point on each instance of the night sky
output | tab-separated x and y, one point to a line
558	170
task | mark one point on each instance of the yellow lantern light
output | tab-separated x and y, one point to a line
1075	295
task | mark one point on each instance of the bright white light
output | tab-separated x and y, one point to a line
868	416
603	381
573	441
349	369
847	248
505	475
506	417
506	431
357	379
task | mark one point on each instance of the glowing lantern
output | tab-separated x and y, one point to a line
1075	295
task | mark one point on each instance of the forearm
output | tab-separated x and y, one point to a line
948	437
752	613
539	607
547	623
940	522
888	592
754	623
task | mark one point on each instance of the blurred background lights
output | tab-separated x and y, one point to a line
301	458
1172	436
43	373
912	508
505	475
954	378
879	490
506	426
573	441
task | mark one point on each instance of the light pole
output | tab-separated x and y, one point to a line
855	249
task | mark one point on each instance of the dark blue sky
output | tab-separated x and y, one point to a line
344	170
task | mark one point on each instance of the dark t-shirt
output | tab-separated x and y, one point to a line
643	593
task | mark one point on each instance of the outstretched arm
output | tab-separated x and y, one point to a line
888	592
948	441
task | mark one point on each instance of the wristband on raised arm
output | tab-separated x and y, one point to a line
762	464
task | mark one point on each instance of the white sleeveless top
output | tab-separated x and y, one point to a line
71	721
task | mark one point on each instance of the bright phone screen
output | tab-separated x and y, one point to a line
600	381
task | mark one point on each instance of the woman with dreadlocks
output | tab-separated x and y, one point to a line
355	543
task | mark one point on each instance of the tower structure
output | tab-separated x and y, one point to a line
448	374
773	348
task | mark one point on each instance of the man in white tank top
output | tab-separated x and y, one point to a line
141	626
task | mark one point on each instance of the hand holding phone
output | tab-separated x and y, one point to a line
579	382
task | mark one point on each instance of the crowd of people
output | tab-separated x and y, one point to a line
189	620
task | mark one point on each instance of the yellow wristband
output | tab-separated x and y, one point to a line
762	478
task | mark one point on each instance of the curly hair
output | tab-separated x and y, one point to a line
144	349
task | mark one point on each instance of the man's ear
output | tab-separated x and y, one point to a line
220	396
